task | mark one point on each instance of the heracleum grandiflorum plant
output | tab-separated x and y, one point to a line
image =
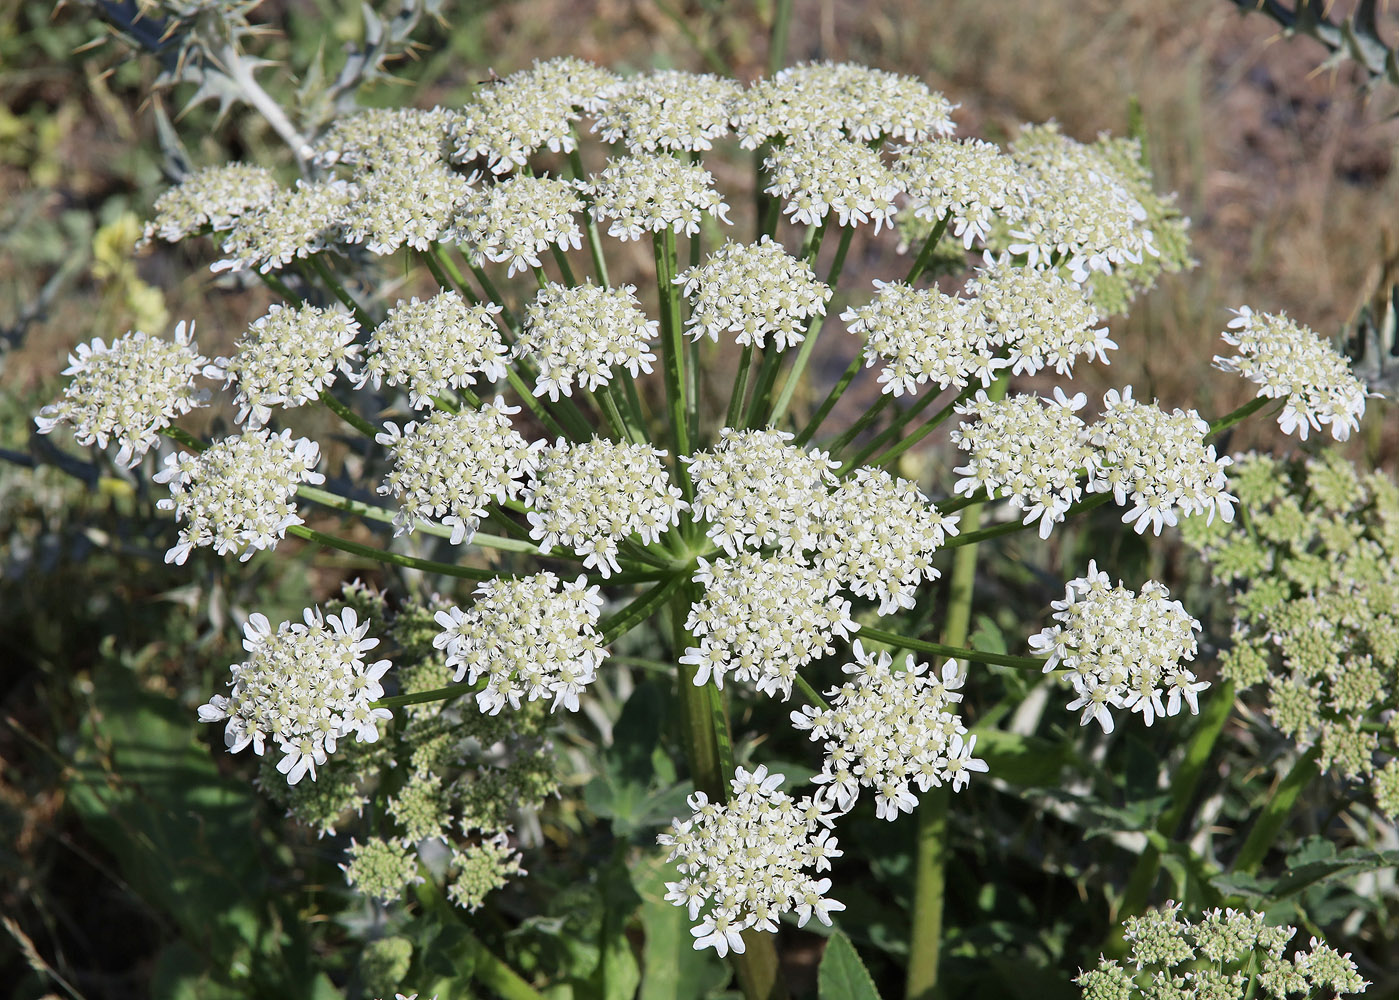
547	432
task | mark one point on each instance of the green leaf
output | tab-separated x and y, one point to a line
842	975
671	967
1026	761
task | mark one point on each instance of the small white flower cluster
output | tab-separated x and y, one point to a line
306	686
294	223
432	346
1158	462
970	182
212	197
590	496
516	220
889	730
756	291
668	111
1026	448
1082	215
528	638
239	494
762	618
1124	650
286	358
822	172
878	538
923	335
128	392
404	203
756	489
1043	320
868	104
651	193
745	862
1289	361
449	467
577	334
376	136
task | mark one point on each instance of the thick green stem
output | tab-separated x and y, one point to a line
1222	424
561	259
777	41
854	430
425	697
391	558
385	516
947	649
445	264
892	431
1276	811
673	354
740	389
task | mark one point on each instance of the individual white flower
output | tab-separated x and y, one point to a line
969	182
878	537
432	346
210	198
1042	319
1289	361
817	173
588	497
577	335
239	494
756	291
306	686
924	335
889	730
514	221
650	193
748	861
287	358
1124	649
1082	214
668	111
754	489
762	618
128	392
1026	448
528	638
1158	463
449	467
404	203
378	137
295	223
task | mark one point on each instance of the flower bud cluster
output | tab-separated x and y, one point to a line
305	686
650	193
889	730
239	495
480	869
129	392
757	291
432	346
576	335
380	868
1123	650
745	862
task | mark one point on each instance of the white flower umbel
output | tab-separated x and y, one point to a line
754	488
668	111
588	497
1040	318
449	467
817	173
582	85
968	181
1289	361
1158	463
924	335
376	137
577	335
404	203
514	221
286	358
211	198
1026	448
295	223
528	638
756	291
509	120
762	618
239	494
867	104
746	862
878	538
651	193
889	730
128	392
1082	215
306	686
432	346
1123	650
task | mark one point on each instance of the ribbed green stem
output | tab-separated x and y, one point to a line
561	259
930	245
425	697
444	263
184	437
1276	811
892	431
673	354
854	430
392	558
1223	423
808	347
946	649
531	401
740	389
385	516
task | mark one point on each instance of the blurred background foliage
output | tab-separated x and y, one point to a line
133	862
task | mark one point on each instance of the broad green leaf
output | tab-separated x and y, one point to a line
671	967
842	975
